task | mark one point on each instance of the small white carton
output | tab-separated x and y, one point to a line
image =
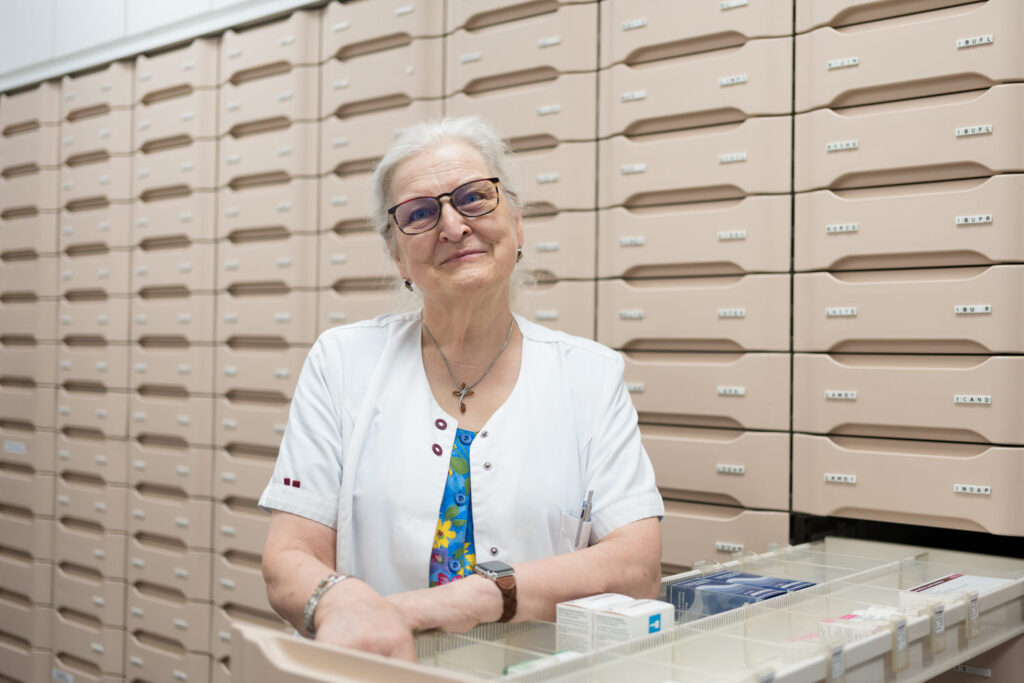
575	620
632	620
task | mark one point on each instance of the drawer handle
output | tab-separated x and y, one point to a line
723	547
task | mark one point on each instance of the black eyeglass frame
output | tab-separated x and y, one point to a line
440	207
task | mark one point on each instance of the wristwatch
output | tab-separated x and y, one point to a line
504	577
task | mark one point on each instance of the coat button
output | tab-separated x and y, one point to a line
437	449
487	465
483	434
494	550
440	424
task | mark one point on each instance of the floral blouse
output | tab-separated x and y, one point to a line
454	554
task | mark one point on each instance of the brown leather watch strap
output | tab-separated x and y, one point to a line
507	586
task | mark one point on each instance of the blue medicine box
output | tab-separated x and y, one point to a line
704	596
760	581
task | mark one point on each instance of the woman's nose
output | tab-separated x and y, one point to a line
451	223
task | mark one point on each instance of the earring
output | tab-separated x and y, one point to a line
519	254
408	284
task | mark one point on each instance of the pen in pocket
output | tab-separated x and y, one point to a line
584	516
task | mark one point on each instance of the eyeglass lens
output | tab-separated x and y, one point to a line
473	199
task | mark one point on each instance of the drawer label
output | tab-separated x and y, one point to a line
633	169
735	79
976	219
730	469
404	9
967	131
723	547
549	41
546	315
634	24
840	395
731	391
841	145
631	314
546	178
732	313
986	39
470	57
973	399
16	447
841	312
842	63
548	110
635	387
341	26
62	676
840	478
731	4
547	246
633	95
840	228
633	241
972	309
973	489
731	235
733	158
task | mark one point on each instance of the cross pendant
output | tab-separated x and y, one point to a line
462	393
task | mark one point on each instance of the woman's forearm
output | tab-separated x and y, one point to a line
291	576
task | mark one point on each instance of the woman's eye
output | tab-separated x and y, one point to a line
471	198
419	214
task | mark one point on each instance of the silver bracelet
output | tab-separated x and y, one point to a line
314	600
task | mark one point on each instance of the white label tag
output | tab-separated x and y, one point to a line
631	314
972	309
470	57
633	169
841	145
549	109
732	313
546	178
840	395
635	387
837	667
842	63
986	39
973	220
633	24
633	241
547	246
732	235
404	9
726	81
549	41
724	547
730	469
633	95
734	157
731	4
731	391
978	399
546	315
62	676
839	478
16	447
838	228
840	311
973	489
967	131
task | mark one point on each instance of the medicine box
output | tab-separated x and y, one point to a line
632	620
575	620
760	581
704	597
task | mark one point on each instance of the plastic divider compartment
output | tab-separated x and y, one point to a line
166	562
192	216
261	370
84	637
162	513
946	137
954	49
35	405
955	485
357	254
184	467
40	105
290	95
566	305
936	224
560	246
110	86
27	533
109	179
365	26
88	545
89	593
559	108
193	115
189	418
253	423
500	55
380	80
362	138
191	167
971	399
345	201
31	622
35	232
735	391
729	313
290	152
748	469
110	132
692	532
811	14
163	662
93	500
290	206
104	365
184	367
635	31
107	458
237	580
293	41
954	310
237	527
108	272
189	266
733	84
26	576
36	190
557	178
193	66
105	411
727	161
109	225
27	489
290	317
36	275
106	318
289	260
188	317
169	614
36	147
29	447
349	306
36	362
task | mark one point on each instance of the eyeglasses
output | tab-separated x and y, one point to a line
472	200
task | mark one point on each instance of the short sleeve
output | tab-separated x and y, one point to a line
619	472
307	475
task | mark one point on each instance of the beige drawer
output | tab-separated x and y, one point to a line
30	622
289	96
940	138
412	71
28	447
35	276
110	132
22	662
109	87
345	202
190	267
108	224
187	318
264	371
88	545
290	317
566	305
955	398
288	261
106	458
749	312
936	224
1002	662
364	26
168	613
355	255
698	90
188	418
736	391
498	55
170	513
89	498
105	318
635	31
748	469
288	152
104	365
167	562
153	658
109	178
557	178
193	66
291	41
33	362
108	272
34	191
38	147
746	235
104	411
32	405
85	637
955	486
26	576
239	581
240	524
355	142
225	616
289	206
190	167
691	532
83	671
189	368
475	14
953	50
36	232
540	113
337	308
182	467
192	217
24	488
40	105
724	162
954	310
814	13
24	532
249	423
36	320
89	592
192	116
560	246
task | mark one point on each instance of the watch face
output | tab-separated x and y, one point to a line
495	567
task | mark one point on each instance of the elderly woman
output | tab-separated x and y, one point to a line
376	531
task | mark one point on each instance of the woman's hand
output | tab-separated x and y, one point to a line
352	614
456	606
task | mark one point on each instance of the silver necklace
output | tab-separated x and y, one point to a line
461	390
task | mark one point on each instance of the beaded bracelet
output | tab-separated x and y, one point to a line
314	600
